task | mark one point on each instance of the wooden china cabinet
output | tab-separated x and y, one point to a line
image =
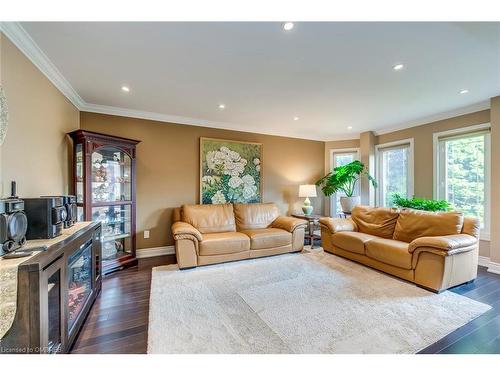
104	185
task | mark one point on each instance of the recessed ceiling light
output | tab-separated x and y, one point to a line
349	128
398	67
295	118
222	106
287	26
125	88
464	91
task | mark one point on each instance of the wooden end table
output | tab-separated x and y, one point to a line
311	219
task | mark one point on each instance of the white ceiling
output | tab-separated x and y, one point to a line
330	75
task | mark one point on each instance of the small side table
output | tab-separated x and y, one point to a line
311	219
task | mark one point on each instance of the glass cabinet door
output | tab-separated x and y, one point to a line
116	229
111	175
79	180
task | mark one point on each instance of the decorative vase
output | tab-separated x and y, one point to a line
348	203
307	209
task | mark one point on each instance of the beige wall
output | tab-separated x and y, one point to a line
35	151
168	168
495	184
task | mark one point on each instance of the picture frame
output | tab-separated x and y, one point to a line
230	171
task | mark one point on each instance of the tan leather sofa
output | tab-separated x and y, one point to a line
207	234
434	250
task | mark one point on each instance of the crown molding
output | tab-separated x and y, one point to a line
22	40
481	106
154	116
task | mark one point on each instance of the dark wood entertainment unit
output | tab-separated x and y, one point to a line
51	292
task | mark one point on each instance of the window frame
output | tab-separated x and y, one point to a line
378	167
469	130
333	152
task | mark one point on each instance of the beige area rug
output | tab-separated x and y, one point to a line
312	302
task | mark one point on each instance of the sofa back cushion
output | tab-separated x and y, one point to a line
471	226
255	215
210	218
176	214
377	221
414	224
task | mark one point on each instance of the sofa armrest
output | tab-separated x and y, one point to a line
450	244
182	230
335	225
288	223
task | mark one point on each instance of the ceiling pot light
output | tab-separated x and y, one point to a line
398	67
125	88
222	106
295	118
464	91
349	128
287	26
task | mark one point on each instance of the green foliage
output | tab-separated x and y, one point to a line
344	179
465	174
421	203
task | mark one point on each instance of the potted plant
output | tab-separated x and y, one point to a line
344	179
421	203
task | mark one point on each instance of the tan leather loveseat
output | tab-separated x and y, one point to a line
434	250
207	234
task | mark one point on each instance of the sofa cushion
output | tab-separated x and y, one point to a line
352	241
224	243
268	238
210	218
390	252
377	221
413	224
255	215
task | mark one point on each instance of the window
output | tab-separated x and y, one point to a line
337	159
394	170
462	171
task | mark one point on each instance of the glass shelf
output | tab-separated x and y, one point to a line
111	174
116	229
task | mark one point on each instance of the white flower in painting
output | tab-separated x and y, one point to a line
256	161
235	182
218	198
249	191
248	180
233	168
225	150
257	168
234	156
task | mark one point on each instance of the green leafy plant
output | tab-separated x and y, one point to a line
421	203
344	179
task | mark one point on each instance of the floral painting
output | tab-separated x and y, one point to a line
230	171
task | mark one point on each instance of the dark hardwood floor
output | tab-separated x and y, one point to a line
118	321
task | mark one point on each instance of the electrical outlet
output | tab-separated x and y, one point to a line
146	234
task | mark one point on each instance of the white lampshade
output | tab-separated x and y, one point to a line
306	191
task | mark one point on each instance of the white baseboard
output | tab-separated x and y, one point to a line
494	267
484	261
155	251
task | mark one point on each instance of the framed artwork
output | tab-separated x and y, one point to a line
230	171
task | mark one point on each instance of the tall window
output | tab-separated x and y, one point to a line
463	171
394	171
339	158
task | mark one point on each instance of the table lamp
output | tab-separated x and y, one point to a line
306	191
